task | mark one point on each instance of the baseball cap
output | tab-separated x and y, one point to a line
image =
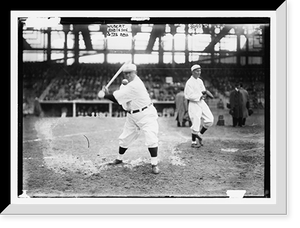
129	67
194	67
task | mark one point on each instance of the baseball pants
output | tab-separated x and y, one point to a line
145	121
199	111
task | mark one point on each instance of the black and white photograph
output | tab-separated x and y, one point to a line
138	107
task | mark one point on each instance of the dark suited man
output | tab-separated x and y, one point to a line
239	100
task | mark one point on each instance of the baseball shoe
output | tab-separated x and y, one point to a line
116	162
155	169
195	145
199	139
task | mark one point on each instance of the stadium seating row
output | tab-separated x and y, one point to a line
83	81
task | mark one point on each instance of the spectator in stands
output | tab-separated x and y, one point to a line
61	93
220	104
78	89
238	105
161	96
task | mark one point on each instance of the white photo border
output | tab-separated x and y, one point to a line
275	205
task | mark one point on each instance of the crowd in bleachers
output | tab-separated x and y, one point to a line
252	77
83	81
37	76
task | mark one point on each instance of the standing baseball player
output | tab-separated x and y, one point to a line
195	92
141	115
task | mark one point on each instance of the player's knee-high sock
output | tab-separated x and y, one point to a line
153	152
194	138
122	151
203	129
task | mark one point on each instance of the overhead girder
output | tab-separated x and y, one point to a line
210	47
85	34
26	45
157	31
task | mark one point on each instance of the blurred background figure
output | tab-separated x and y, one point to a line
64	111
26	108
220	104
239	100
245	96
181	108
37	110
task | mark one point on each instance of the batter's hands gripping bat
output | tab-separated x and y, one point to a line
104	89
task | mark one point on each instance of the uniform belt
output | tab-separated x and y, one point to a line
139	110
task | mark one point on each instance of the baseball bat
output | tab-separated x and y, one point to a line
116	75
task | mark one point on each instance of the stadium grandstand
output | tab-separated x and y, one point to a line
65	65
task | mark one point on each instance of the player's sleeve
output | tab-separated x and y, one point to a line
110	97
190	94
123	95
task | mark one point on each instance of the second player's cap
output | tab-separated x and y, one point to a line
129	67
195	67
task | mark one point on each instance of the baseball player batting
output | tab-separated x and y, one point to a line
198	110
141	115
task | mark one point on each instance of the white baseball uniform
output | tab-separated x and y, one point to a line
142	115
198	109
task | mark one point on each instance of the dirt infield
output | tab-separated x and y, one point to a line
67	157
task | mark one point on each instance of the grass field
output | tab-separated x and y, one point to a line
67	157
